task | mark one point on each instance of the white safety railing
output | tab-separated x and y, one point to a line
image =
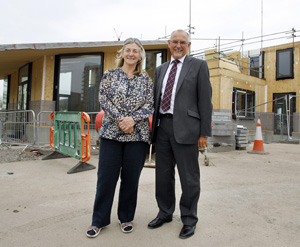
24	128
282	125
43	125
17	127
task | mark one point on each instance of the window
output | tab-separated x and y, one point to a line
243	102
78	76
154	58
256	65
283	118
4	93
77	81
285	64
24	87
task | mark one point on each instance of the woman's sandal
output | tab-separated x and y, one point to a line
93	231
126	227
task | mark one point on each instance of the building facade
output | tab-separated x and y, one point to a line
66	76
264	84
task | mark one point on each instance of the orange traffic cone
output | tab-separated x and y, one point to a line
258	147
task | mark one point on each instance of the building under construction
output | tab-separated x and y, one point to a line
262	83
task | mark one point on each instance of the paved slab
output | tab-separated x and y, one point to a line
246	200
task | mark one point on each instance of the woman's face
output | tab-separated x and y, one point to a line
131	54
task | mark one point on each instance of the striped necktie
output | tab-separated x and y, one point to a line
166	101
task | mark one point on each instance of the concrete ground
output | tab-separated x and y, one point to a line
246	200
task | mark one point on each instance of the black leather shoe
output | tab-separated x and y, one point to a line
187	231
157	222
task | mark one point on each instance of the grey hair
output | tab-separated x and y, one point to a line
120	60
180	30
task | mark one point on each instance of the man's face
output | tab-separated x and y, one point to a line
179	44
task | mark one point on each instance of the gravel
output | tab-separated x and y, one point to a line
21	153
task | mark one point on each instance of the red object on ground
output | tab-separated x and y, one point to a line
150	121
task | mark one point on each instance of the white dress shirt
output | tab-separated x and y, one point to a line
179	66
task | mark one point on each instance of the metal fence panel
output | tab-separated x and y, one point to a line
17	127
280	125
43	125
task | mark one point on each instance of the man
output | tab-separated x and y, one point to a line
181	125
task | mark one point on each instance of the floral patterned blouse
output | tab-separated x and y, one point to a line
120	96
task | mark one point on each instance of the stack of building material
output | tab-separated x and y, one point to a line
241	137
223	133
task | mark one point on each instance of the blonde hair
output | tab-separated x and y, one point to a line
120	60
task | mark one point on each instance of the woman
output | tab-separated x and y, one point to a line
126	96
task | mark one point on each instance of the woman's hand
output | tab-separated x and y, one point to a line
128	131
126	124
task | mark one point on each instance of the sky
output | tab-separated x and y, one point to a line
35	21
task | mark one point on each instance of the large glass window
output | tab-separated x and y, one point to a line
78	82
285	64
24	87
78	78
4	93
154	58
243	102
283	118
256	65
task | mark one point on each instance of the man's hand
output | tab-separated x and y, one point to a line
202	142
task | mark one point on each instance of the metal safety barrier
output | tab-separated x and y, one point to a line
282	125
17	127
70	138
29	129
43	125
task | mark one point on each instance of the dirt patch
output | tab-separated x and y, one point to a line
20	153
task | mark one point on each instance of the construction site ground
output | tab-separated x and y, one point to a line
246	200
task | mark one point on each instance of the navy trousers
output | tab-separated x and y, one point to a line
118	159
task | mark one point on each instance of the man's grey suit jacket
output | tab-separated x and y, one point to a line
192	106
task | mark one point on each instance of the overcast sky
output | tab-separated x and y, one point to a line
36	21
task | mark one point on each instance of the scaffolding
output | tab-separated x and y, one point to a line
282	126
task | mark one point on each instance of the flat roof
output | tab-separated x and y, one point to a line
14	56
